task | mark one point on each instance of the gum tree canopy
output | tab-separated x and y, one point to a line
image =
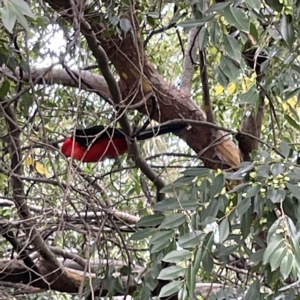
206	212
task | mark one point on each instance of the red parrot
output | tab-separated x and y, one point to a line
97	143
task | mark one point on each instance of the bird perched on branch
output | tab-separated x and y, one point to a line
97	143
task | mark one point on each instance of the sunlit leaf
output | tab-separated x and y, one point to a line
42	169
231	88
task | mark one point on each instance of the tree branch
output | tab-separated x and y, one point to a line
102	60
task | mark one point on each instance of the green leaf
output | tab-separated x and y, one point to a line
191	275
246	223
275	4
263	171
257	256
151	220
171	273
217	185
197	172
142	234
235	17
286	265
26	103
221	77
173	221
4	88
211	211
157	247
254	31
292	122
173	203
160	236
277	169
150	282
251	96
232	47
15	10
244	167
191	239
253	191
167	204
177	256
276	258
238	188
215	33
223	230
272	233
293	189
168	189
243	206
203	38
255	4
207	261
218	7
254	291
170	289
229	68
197	259
145	292
287	29
9	17
276	195
195	22
285	148
23	7
183	294
154	14
179	182
272	247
